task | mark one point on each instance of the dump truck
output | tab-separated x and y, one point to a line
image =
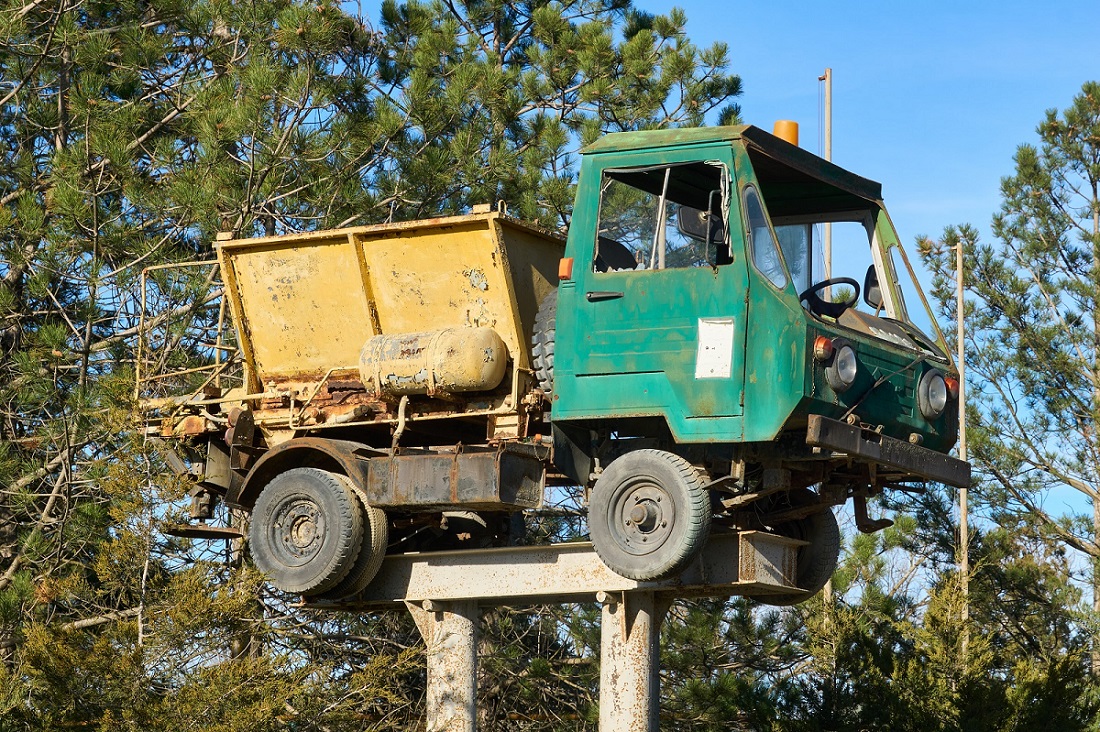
683	355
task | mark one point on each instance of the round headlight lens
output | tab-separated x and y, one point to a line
932	394
841	373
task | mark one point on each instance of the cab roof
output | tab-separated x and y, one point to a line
786	172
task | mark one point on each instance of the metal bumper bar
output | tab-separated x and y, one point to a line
871	447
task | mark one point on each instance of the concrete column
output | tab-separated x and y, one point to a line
450	632
630	681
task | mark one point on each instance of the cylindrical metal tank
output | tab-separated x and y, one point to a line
449	360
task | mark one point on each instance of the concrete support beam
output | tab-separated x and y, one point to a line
630	663
450	634
748	563
444	591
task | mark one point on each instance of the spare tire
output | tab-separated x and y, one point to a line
818	559
542	342
649	515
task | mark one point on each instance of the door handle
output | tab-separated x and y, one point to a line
598	295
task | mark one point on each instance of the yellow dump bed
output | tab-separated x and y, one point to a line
305	304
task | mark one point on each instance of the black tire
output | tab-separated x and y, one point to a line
306	530
376	537
649	515
817	560
542	342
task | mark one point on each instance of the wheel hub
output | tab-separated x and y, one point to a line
642	517
298	531
645	515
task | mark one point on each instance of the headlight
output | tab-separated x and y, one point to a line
932	394
841	373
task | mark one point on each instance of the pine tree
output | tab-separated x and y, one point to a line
1033	330
133	133
499	96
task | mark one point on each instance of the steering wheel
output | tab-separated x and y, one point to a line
830	309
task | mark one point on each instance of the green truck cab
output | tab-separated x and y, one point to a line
683	357
693	319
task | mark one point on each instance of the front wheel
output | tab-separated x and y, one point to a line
306	530
649	515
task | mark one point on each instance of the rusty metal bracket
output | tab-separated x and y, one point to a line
864	522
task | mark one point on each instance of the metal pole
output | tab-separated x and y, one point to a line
630	680
450	633
964	527
827	596
828	79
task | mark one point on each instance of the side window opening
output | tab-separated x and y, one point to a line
765	251
663	217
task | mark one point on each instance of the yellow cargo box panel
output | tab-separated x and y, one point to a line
306	304
300	307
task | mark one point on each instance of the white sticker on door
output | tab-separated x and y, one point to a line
714	359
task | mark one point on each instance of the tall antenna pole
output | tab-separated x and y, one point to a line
828	253
828	79
964	527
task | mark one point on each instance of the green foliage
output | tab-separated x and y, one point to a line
499	96
1032	328
134	131
1031	336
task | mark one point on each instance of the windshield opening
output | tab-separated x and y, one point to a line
808	198
859	264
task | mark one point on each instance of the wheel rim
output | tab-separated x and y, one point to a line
642	516
297	531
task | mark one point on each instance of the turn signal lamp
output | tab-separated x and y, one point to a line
952	386
565	268
823	348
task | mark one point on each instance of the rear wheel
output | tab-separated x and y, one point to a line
649	515
376	536
306	530
817	560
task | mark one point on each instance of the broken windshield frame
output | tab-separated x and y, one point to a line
798	235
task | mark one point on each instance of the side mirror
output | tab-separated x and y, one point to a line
872	293
701	225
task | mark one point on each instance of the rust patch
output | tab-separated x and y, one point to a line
192	424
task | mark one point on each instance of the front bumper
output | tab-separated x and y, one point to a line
900	460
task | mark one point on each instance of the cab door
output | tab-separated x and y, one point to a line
660	304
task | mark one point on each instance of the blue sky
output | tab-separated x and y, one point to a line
930	98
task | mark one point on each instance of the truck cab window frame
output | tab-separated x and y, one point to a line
766	256
663	217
